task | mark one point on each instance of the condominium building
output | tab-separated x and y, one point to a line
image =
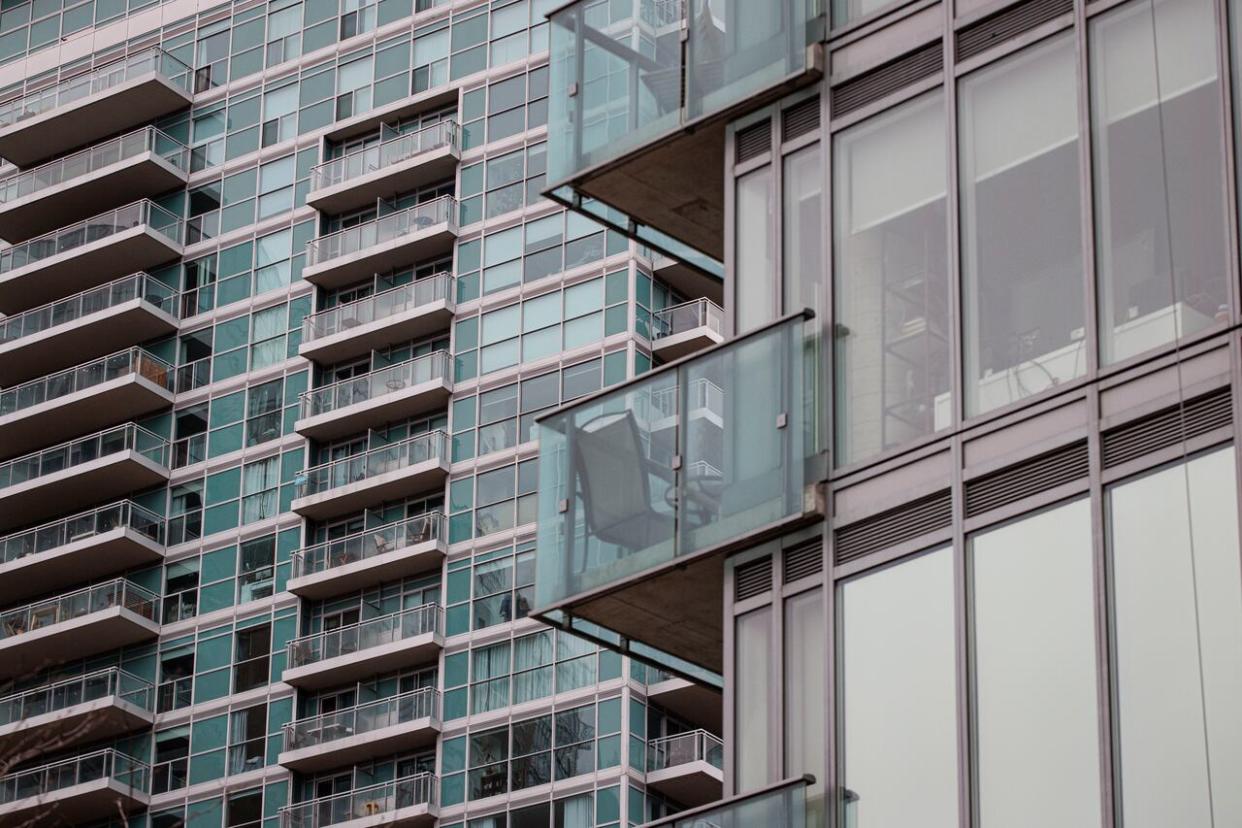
282	301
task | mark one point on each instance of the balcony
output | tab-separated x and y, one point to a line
399	165
408	802
121	386
389	553
690	701
354	735
389	472
687	280
641	93
79	790
686	768
104	466
79	548
782	804
98	321
79	624
387	395
408	312
421	232
66	714
137	165
635	516
80	110
135	237
368	648
684	329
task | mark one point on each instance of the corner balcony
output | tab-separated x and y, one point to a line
95	322
421	232
104	466
354	735
684	329
687	768
122	386
399	165
391	472
79	548
389	553
641	94
368	648
80	624
136	165
387	395
635	517
94	786
135	237
80	110
408	802
408	312
690	701
101	705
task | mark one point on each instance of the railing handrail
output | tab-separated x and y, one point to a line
129	428
698	732
136	356
425	436
319	170
435	518
432	206
437	356
310	322
430	608
82	679
144	205
122	584
386	701
422	776
127	508
141	278
74	760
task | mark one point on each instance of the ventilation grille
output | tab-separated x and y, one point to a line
1039	474
754	578
927	514
754	141
800	119
883	81
1011	22
803	561
1165	428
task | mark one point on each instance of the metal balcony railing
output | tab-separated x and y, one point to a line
437	288
354	240
389	153
373	463
684	748
697	313
96	228
66	773
84	162
118	593
128	437
398	626
105	369
63	311
363	718
81	526
322	557
371	801
389	380
61	695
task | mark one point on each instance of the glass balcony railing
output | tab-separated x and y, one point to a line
697	313
387	154
63	311
373	463
84	162
364	718
61	695
114	366
684	748
374	542
118	593
398	626
104	764
98	80
437	288
626	73
635	477
371	801
376	384
78	527
91	230
782	804
58	458
354	240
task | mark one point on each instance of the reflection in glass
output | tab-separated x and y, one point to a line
1178	630
752	701
754	274
891	276
899	707
1159	169
1022	264
1036	725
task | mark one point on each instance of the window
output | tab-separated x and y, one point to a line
802	222
181	590
755	268
257	576
170	768
244	809
250	665
247	738
263	411
490	677
806	699
176	679
575	742
260	482
751	701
